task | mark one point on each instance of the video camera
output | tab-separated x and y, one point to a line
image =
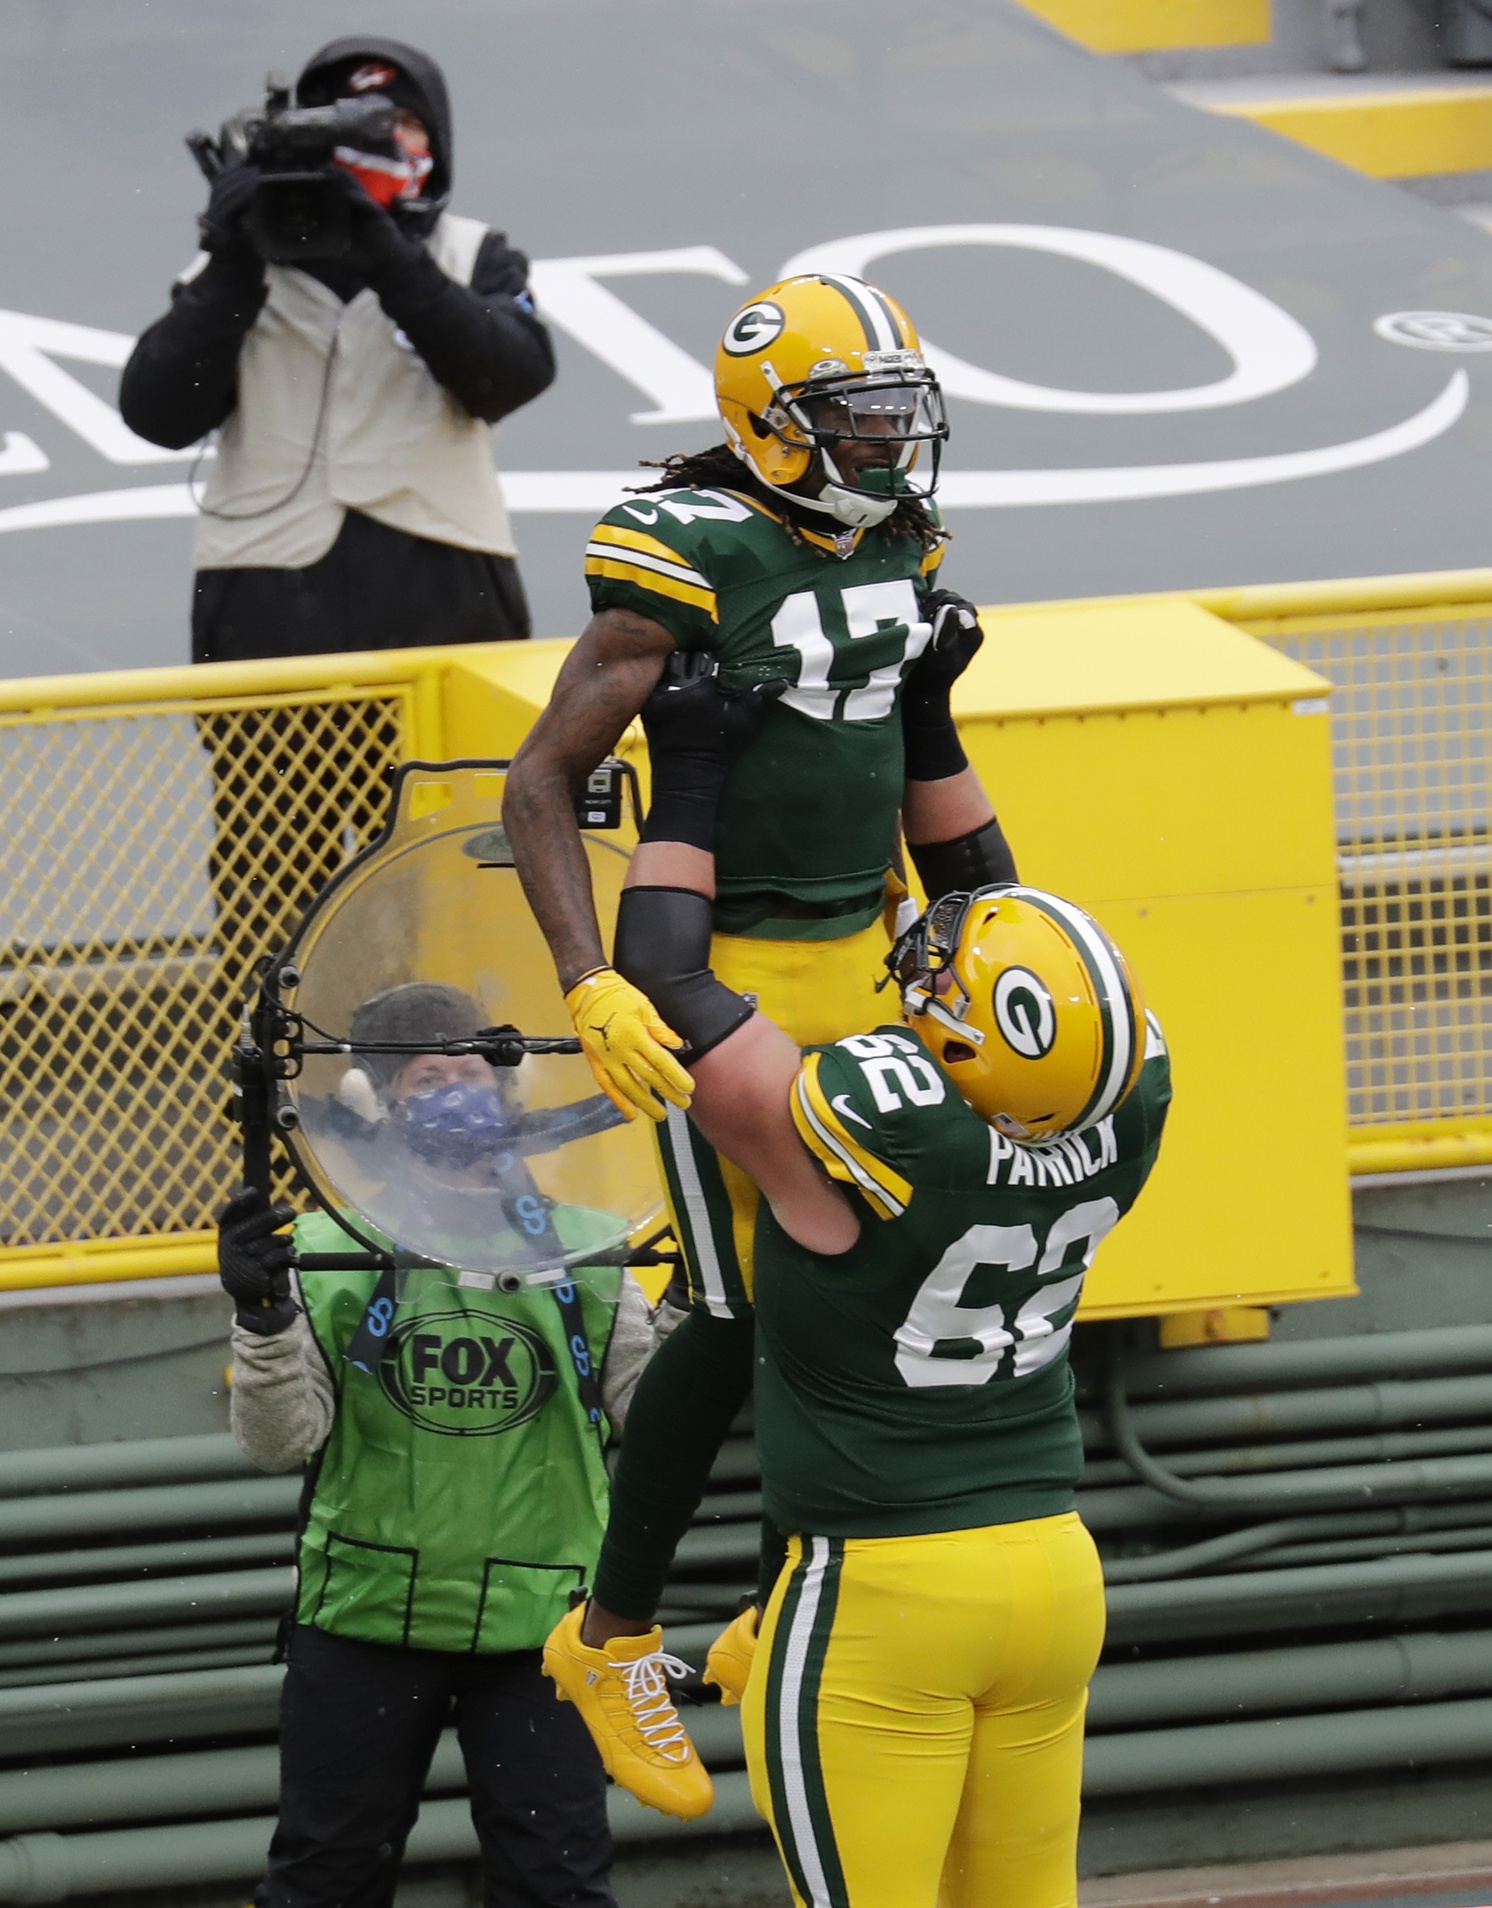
299	215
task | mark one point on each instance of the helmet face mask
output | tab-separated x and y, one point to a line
893	415
822	363
922	964
1027	1005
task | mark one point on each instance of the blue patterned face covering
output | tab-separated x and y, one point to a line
457	1125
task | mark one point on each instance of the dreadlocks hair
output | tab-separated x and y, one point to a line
720	468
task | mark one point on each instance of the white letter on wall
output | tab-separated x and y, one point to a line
27	346
568	292
1269	349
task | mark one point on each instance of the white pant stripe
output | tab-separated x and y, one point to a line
791	1725
702	1239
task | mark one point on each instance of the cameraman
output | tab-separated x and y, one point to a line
413	1611
353	503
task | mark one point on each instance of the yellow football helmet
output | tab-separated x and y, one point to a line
819	360
1027	1004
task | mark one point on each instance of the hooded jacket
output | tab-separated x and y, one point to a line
421	86
449	315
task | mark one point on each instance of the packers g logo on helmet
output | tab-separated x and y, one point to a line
1024	1013
819	360
1028	1005
753	328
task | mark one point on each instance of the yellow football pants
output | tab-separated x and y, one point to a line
816	991
914	1719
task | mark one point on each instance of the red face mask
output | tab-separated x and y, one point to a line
386	181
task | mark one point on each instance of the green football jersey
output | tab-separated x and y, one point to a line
808	822
921	1381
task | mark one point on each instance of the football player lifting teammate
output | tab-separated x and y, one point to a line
934	1188
798	558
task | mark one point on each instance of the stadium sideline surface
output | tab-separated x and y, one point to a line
1450	1875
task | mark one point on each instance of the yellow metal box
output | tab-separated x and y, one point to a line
1174	776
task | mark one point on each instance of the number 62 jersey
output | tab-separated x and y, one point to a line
920	1382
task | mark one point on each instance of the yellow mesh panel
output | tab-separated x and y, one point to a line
1412	735
150	856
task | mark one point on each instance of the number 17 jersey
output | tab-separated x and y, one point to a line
920	1381
809	815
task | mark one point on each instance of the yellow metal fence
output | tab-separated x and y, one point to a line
151	850
160	831
1413	738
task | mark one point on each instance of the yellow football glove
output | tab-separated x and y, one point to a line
627	1043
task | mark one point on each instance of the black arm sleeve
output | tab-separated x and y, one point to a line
976	860
483	342
663	947
182	377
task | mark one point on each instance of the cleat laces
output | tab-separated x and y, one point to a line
646	1682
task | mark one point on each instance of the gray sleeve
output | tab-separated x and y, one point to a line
636	1335
282	1399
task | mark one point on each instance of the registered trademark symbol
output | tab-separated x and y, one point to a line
1436	330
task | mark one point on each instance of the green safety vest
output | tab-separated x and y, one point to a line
462	1494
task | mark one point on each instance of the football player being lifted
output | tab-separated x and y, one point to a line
804	549
934	1188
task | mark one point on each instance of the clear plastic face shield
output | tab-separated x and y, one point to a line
431	1097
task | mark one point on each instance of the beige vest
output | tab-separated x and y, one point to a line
392	443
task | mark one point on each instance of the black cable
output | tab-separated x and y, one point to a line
268	510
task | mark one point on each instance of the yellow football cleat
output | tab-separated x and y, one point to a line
622	1694
728	1665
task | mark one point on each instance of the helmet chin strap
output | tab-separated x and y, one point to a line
856	508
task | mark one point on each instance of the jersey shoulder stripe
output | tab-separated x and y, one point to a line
844	1157
644	579
630	556
614	537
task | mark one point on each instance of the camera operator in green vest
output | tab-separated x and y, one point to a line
456	1493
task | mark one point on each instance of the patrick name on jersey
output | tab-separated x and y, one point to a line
898	1072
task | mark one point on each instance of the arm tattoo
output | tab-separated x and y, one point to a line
604	682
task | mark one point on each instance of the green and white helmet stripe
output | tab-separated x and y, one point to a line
871	308
1116	1004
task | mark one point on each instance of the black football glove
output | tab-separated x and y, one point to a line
381	252
696	731
222	224
956	641
254	1261
933	750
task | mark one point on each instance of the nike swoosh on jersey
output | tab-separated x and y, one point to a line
822	1129
841	1105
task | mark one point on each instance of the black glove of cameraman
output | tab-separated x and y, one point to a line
934	751
254	1262
222	224
696	731
381	253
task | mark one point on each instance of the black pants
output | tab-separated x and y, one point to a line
690	1390
358	1725
376	588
